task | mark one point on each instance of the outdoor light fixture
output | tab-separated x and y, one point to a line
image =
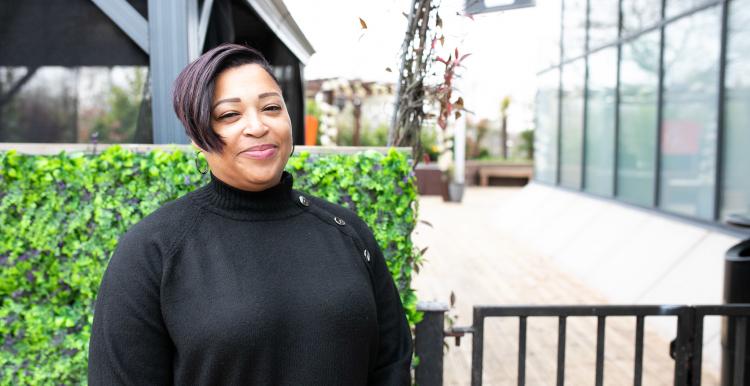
485	6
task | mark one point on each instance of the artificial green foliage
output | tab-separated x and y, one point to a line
61	217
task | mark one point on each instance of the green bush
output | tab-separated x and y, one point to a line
61	217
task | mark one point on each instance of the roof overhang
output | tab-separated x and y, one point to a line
275	14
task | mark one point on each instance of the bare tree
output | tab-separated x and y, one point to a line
416	57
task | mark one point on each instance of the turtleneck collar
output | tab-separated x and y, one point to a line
270	204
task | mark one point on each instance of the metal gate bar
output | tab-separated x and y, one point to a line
562	313
686	349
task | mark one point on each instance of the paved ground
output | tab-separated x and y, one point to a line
469	256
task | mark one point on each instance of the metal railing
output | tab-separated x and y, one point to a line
686	349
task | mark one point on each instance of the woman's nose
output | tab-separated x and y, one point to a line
254	126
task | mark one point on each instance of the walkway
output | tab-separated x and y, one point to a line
470	257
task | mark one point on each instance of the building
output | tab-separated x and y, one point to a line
641	149
75	71
643	102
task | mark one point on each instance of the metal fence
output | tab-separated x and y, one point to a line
686	349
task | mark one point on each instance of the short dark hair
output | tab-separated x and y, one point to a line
193	90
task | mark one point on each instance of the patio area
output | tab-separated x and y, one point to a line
472	257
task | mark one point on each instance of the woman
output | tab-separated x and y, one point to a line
246	281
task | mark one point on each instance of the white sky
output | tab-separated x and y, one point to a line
504	47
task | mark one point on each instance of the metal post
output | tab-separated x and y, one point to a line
736	290
428	343
459	146
173	38
477	347
683	373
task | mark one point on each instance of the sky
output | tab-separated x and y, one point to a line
504	47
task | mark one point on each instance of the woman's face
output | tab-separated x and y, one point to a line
249	113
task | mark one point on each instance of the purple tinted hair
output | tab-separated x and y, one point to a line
193	90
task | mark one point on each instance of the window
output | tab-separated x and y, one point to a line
572	124
600	122
70	104
676	7
736	183
639	14
639	98
603	21
548	33
574	28
545	135
689	115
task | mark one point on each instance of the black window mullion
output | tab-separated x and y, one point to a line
558	174
720	132
582	182
659	112
616	152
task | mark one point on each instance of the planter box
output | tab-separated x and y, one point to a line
429	180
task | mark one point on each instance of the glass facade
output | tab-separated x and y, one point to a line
689	114
600	122
639	14
545	136
651	128
735	190
571	126
548	33
603	22
639	105
574	28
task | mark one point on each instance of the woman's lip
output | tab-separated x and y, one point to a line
260	152
260	147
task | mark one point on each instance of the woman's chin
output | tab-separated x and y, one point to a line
262	179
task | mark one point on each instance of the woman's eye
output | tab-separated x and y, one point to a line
272	108
227	115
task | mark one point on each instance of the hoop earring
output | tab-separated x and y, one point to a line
197	164
292	153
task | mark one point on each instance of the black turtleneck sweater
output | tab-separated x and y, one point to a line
228	287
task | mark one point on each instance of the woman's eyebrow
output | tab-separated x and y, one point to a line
225	101
268	94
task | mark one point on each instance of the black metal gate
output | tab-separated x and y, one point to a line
686	349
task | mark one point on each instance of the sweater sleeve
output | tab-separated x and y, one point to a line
129	342
393	364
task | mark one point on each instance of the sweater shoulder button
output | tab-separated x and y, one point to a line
339	221
304	201
367	255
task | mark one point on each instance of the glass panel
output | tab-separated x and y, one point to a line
572	124
639	14
600	122
639	98
548	32
736	183
688	148
574	28
69	104
603	21
676	7
545	135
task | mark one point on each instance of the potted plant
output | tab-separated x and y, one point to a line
449	110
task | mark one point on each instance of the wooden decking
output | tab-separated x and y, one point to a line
469	256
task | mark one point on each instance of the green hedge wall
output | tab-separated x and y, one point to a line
61	217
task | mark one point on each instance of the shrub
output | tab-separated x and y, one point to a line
61	217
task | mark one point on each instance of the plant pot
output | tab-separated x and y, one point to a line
455	192
444	189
